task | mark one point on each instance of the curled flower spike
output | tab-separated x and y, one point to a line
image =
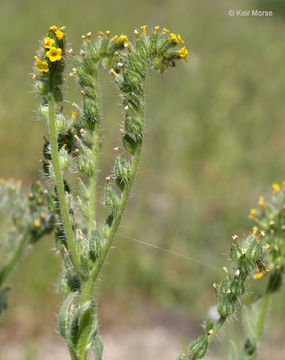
48	42
54	54
42	66
183	53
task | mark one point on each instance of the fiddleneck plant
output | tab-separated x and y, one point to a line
261	253
29	219
73	146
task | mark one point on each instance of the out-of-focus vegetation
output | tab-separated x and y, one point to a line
210	151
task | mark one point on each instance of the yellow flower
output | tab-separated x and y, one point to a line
179	39
42	66
122	39
107	33
183	53
54	54
253	211
40	201
53	28
62	29
254	230
114	38
165	31
267	246
89	35
258	275
275	187
156	29
173	37
37	223
113	72
42	216
144	29
100	34
137	34
261	201
59	34
48	42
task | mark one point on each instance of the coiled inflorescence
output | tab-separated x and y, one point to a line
262	252
246	255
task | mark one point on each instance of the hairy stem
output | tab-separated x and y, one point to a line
14	258
88	286
58	175
95	150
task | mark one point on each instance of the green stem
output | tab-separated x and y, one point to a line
14	258
58	175
95	150
216	329
88	285
117	218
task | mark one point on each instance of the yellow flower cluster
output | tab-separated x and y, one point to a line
122	39
52	53
58	32
176	37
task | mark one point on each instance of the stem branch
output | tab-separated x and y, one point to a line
58	175
13	259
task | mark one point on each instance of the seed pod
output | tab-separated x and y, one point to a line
198	348
255	251
112	199
236	251
129	144
122	172
226	306
133	125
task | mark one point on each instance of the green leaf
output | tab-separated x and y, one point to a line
249	325
233	350
97	346
65	314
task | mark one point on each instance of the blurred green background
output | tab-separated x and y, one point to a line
214	142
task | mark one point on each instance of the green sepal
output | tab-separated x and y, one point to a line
129	144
